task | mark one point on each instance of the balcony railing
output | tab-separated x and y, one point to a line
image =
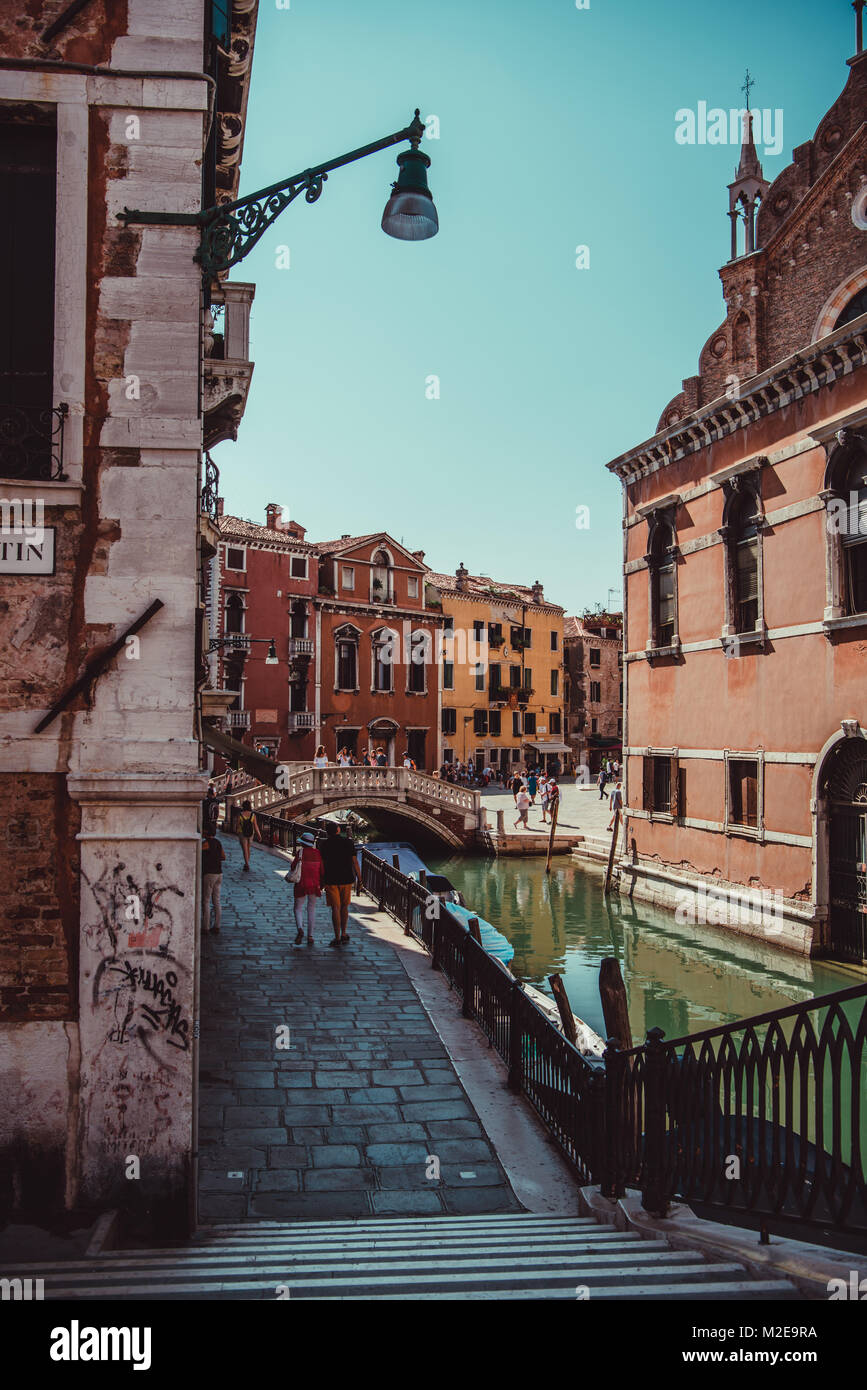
31	442
300	646
299	720
499	694
238	718
210	489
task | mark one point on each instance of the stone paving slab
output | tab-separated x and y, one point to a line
345	1120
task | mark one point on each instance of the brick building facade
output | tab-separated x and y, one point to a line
104	409
593	662
746	569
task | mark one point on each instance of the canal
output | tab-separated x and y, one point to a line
680	978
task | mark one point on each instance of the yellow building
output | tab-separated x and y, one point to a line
502	672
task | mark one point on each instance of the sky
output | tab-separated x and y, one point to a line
557	130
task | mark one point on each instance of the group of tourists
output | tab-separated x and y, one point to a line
329	866
536	783
370	757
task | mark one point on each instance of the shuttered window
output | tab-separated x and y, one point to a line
662	785
744	792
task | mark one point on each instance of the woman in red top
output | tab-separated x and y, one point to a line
309	886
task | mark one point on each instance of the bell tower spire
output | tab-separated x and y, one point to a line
750	184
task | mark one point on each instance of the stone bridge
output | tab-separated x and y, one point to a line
395	799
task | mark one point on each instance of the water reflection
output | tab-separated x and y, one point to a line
680	978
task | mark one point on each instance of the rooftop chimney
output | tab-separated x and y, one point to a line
538	592
219	506
418	555
461	575
273	515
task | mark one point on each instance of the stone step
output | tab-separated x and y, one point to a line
508	1256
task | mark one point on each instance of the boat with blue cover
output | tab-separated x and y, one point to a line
409	863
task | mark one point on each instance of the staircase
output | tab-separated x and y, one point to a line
463	1257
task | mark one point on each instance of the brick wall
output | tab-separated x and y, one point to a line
39	909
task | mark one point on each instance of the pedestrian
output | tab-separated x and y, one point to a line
210	811
532	787
307	864
544	797
553	794
603	778
381	759
340	861
517	784
408	762
247	828
213	856
522	802
320	760
615	802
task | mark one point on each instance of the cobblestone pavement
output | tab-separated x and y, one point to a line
345	1121
581	810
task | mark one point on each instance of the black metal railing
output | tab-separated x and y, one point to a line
210	489
31	442
767	1115
563	1086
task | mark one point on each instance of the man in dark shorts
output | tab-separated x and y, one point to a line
213	856
340	860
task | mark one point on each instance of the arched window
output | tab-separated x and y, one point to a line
234	613
382	578
854	309
845	497
854	536
298	618
663	583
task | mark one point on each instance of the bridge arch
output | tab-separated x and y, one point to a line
393	811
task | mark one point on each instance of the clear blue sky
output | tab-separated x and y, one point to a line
556	129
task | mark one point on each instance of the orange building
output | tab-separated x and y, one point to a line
745	526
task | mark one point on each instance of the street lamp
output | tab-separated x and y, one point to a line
230	230
239	640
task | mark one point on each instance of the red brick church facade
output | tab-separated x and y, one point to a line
745	557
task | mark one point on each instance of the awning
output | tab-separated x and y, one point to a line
254	763
548	747
603	741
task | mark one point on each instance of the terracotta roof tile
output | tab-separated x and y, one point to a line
235	528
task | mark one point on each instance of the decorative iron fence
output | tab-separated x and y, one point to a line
210	489
563	1086
31	442
766	1116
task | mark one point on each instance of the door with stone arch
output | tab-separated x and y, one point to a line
844	787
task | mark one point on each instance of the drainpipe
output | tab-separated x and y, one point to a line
318	693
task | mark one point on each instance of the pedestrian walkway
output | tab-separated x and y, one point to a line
363	1114
580	811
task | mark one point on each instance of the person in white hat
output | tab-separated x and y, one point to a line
308	885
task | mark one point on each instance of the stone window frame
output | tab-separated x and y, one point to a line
376	639
658	515
347	632
669	817
741	480
839	455
410	664
235	545
733	828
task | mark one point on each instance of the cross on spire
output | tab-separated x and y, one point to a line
750	82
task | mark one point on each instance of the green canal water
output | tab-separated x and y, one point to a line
680	978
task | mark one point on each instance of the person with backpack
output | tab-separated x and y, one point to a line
247	828
306	873
213	856
408	762
615	802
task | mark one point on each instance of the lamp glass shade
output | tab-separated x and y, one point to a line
271	659
410	214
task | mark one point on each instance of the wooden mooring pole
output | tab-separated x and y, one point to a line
615	833
567	1018
551	836
615	1009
